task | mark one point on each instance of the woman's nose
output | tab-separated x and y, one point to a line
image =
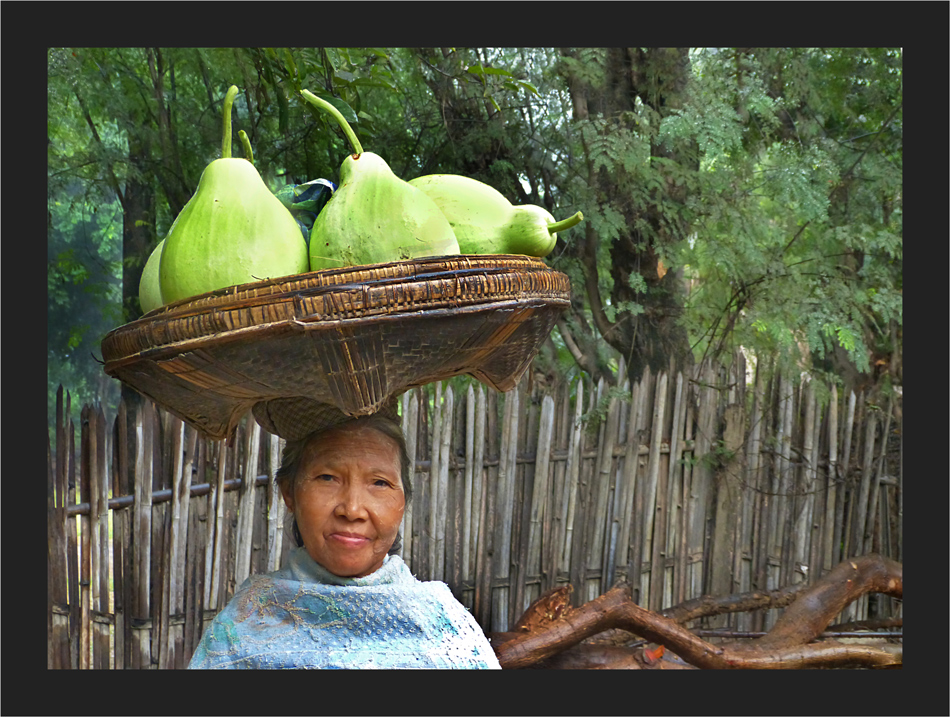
351	504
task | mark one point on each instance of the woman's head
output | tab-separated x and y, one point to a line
347	487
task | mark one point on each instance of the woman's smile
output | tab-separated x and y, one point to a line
349	540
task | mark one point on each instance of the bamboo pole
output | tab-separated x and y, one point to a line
245	530
121	544
654	514
60	559
687	457
85	536
72	544
410	429
50	548
699	485
142	532
160	468
469	519
818	494
618	495
275	505
805	496
843	489
635	568
628	482
784	473
551	515
505	507
831	485
434	484
600	487
171	645
559	504
521	507
569	506
878	474
440	477
674	488
216	537
579	565
453	502
726	508
539	496
99	535
485	411
864	487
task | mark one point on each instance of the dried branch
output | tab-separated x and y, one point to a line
550	627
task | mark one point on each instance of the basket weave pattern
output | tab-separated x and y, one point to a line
353	338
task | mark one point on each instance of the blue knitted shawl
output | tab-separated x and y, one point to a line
303	616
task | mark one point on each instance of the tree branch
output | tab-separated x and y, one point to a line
553	627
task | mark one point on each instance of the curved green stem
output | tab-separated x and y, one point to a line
228	103
248	152
566	223
327	107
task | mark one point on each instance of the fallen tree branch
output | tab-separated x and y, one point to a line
814	609
549	627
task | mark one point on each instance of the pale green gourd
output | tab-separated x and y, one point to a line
150	290
485	222
232	231
374	216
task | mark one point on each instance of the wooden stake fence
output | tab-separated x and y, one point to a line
681	484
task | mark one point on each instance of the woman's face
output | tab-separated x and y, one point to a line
348	499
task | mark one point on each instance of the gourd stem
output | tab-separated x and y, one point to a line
326	106
566	223
248	152
228	103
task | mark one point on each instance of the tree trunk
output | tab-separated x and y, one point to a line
138	222
656	77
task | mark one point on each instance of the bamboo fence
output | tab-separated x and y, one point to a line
687	484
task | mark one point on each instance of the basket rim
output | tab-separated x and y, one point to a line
330	279
381	291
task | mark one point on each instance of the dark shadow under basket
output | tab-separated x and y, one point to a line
352	338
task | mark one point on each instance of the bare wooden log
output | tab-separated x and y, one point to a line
785	647
812	612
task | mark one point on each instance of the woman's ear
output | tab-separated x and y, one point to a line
287	491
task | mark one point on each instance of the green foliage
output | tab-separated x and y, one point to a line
592	419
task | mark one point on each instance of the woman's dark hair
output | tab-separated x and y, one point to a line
293	450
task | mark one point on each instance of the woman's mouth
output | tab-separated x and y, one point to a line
349	540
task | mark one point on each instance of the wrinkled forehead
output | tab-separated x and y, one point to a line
356	442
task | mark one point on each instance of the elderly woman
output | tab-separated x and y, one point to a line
344	598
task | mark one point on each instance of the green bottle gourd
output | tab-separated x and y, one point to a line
374	217
232	231
485	222
150	289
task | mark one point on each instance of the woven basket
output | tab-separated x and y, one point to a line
352	338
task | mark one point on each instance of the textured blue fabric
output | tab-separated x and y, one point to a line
303	616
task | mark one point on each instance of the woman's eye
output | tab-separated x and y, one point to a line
324	477
382	482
